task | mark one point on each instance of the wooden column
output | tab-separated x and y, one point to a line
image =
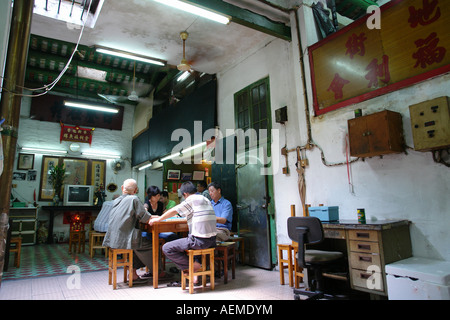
10	103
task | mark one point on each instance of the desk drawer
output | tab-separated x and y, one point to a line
367	281
360	260
364	246
365	235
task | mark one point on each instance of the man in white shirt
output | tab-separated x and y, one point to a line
201	220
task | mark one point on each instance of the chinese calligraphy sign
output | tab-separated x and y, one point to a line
75	133
358	63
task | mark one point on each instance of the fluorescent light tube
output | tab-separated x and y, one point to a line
101	155
90	107
44	150
197	10
171	156
129	56
194	147
145	166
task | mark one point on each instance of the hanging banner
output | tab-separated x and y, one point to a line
76	134
360	62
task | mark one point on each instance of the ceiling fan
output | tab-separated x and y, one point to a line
184	64
135	94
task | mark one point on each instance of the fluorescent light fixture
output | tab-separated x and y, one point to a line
197	10
44	150
101	155
171	156
90	107
131	56
145	166
183	76
194	147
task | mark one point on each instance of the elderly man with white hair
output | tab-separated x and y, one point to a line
123	231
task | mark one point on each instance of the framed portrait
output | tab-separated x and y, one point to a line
198	175
25	161
173	174
46	189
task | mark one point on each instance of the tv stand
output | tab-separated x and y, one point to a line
55	210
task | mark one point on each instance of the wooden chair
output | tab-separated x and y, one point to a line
285	263
96	242
190	274
114	262
226	251
77	236
16	247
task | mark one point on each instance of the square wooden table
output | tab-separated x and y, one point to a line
169	225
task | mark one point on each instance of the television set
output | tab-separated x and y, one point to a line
78	195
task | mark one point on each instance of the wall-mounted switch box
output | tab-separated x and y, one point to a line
430	124
281	115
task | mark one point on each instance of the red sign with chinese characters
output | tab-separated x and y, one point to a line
77	134
358	63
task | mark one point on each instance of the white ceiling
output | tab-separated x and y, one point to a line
152	29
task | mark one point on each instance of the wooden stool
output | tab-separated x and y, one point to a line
240	241
77	238
17	242
96	242
298	272
189	274
126	262
224	252
282	263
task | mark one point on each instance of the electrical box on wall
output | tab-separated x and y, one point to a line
430	123
281	115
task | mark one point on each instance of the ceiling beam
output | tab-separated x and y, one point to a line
247	18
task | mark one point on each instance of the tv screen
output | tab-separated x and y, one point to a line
78	195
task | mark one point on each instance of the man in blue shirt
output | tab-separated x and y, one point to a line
223	210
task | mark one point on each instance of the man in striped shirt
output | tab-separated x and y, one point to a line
201	220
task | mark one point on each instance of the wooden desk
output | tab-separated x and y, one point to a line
54	210
170	225
370	247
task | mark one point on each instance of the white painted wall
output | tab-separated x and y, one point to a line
402	186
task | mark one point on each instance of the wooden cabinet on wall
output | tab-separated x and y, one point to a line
376	134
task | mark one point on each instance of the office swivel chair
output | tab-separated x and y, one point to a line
308	230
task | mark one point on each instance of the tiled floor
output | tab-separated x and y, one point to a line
249	284
42	276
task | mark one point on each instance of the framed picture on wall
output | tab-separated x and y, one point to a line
46	189
198	175
76	171
173	174
25	161
98	173
185	176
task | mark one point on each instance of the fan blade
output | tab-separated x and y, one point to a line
112	99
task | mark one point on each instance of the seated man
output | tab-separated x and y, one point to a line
168	204
202	189
123	231
223	209
102	221
202	227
